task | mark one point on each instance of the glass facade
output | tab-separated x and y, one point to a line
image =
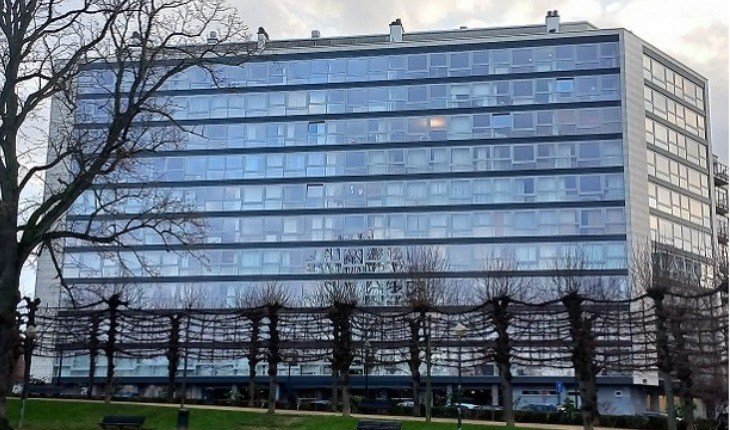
473	150
680	199
381	65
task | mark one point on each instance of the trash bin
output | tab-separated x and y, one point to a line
183	418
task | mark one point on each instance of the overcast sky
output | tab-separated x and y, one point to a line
695	32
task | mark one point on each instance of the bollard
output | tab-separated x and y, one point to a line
183	417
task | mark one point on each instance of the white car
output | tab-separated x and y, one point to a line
469	406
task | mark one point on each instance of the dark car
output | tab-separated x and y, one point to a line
537	407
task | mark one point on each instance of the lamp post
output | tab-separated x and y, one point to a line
28	344
367	346
183	414
459	331
293	361
429	388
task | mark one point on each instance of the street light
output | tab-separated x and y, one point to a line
30	334
183	413
292	362
28	344
459	331
367	346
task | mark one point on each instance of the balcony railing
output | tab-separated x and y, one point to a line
720	170
722	260
721	201
722	230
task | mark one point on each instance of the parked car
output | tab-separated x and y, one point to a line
466	403
541	407
491	407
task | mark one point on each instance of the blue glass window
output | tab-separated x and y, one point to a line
459	60
438	60
591	184
502	120
564	85
417	62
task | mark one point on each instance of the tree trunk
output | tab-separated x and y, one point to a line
8	348
251	389
501	319
688	410
272	393
9	298
110	348
589	401
173	356
109	388
505	382
414	363
274	357
664	359
416	411
335	386
428	397
253	359
346	409
92	373
683	371
669	395
583	357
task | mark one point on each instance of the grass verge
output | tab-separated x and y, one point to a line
42	414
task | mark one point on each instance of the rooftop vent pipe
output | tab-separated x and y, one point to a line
396	31
263	37
552	21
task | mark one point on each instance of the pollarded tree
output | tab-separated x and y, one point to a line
654	274
127	50
250	303
340	298
274	297
498	291
426	289
577	290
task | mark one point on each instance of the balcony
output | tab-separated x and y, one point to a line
722	228
722	261
720	171
721	201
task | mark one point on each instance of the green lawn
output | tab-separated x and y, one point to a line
69	415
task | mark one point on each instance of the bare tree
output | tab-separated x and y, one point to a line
93	351
250	304
172	354
110	346
132	48
497	292
574	287
274	297
653	274
425	289
340	299
106	327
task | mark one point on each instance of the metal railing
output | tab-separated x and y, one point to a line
721	200
720	171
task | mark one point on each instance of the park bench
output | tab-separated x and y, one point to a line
378	425
122	422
